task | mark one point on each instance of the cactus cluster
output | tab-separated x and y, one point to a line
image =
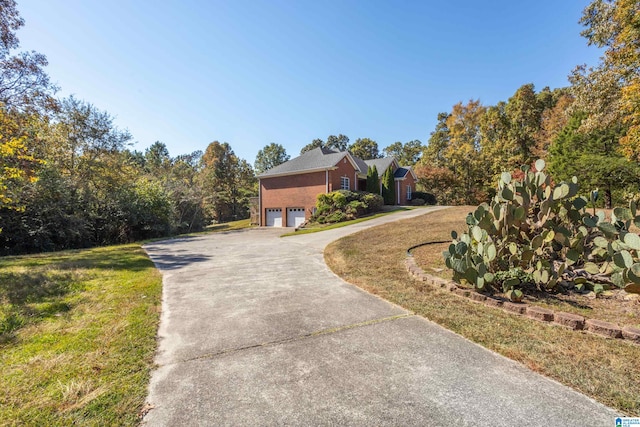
545	232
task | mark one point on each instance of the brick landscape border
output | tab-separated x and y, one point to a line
568	320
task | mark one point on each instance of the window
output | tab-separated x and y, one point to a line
344	183
408	192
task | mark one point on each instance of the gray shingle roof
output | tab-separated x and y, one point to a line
381	164
324	158
362	165
318	158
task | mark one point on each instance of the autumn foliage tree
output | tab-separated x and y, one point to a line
610	92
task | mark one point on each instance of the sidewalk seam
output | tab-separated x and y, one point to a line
295	338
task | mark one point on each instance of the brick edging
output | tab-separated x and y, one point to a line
569	320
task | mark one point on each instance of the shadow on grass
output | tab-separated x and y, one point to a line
30	296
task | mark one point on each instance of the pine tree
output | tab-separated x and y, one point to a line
389	187
373	181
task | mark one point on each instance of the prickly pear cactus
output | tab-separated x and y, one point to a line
545	231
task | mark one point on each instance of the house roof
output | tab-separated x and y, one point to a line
403	171
380	164
325	158
362	165
312	160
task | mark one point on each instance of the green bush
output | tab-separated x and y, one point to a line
339	198
344	205
429	199
417	202
374	202
337	216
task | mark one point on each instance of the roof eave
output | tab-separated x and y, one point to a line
291	173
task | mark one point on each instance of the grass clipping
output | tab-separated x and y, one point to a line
77	336
373	259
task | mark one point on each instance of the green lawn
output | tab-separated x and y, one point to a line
322	227
77	336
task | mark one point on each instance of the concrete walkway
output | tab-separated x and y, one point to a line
256	330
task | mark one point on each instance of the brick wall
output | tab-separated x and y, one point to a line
294	191
300	191
344	169
403	188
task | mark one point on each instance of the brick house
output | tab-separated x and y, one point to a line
287	193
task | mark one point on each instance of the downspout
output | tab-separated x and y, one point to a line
398	190
326	179
355	181
260	203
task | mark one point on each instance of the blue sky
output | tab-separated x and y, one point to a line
253	72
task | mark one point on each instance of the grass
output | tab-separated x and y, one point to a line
77	336
229	226
610	306
373	259
315	228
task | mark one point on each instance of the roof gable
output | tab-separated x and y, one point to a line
313	160
381	164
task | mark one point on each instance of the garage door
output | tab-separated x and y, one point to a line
295	217
274	217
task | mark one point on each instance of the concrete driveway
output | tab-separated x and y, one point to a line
256	330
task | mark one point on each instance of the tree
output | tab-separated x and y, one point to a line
157	157
80	136
495	146
338	143
316	143
406	154
23	82
389	187
552	122
439	139
595	159
269	157
365	148
229	182
463	152
17	165
441	182
523	113
373	180
610	92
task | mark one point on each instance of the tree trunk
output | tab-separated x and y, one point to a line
607	198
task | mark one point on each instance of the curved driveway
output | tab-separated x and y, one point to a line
256	330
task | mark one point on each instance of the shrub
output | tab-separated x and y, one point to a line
389	187
417	202
355	209
340	198
429	199
342	205
337	216
373	202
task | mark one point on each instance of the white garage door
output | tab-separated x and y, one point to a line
274	217
295	217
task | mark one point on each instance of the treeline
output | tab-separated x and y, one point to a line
84	187
590	129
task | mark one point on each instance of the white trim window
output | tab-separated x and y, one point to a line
345	183
408	192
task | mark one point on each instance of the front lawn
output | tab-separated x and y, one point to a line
373	259
77	336
316	227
